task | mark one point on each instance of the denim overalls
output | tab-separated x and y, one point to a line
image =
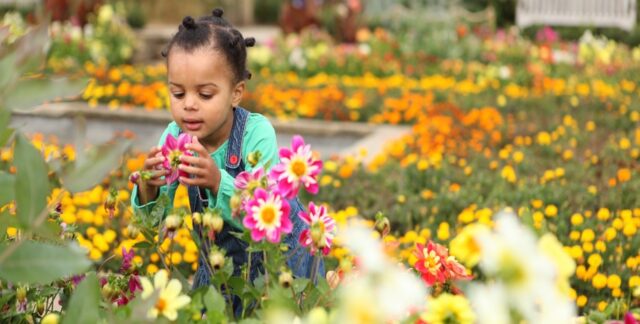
301	260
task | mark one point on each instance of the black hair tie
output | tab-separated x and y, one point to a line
189	23
217	12
249	42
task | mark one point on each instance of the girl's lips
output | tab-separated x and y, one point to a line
192	125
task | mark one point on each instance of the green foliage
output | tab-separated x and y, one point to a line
40	263
32	185
85	302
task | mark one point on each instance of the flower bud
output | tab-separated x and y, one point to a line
107	291
235	202
40	306
213	221
382	225
21	294
134	177
254	158
285	279
133	230
173	222
197	218
216	259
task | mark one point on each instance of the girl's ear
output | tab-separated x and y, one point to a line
238	92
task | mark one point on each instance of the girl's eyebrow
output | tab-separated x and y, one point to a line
198	86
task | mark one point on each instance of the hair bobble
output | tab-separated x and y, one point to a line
217	12
249	41
189	23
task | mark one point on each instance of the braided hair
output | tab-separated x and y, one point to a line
217	33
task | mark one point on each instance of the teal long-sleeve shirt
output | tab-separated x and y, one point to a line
259	135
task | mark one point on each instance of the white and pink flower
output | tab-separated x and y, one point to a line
321	231
267	216
297	167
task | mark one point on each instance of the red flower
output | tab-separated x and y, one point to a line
430	263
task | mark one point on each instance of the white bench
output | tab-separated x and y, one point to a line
596	13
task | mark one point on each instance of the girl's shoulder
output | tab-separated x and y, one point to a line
257	122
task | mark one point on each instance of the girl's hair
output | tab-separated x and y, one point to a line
220	35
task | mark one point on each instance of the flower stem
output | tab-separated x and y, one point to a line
315	267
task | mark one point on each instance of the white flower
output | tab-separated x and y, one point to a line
169	297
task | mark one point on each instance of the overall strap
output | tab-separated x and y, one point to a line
233	162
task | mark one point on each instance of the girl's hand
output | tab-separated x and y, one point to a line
202	168
148	189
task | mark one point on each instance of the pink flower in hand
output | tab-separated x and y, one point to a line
267	216
172	150
321	229
297	166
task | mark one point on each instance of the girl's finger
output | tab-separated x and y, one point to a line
193	160
156	182
154	150
152	162
190	181
191	170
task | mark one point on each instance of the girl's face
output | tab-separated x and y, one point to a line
202	93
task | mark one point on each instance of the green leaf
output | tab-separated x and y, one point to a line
7	188
6	220
40	263
8	73
142	245
214	303
85	301
32	182
5	131
97	165
29	93
299	284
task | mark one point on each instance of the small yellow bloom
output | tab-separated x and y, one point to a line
603	214
551	211
588	235
581	300
614	281
599	281
577	219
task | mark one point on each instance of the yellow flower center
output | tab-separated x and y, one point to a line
431	261
268	214
161	305
299	168
174	158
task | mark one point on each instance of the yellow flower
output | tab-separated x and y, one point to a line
448	308
551	211
603	214
509	174
581	300
624	143
614	281
629	229
443	231
594	260
602	306
610	234
518	156
599	281
588	235
576	219
169	299
544	138
465	246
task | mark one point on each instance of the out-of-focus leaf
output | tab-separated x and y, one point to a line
29	93
85	302
5	131
31	183
31	49
8	74
6	220
7	187
95	166
35	262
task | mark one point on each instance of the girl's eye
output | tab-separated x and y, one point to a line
178	95
206	96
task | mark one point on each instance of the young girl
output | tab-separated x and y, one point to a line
206	64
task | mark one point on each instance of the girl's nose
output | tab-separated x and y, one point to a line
189	102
